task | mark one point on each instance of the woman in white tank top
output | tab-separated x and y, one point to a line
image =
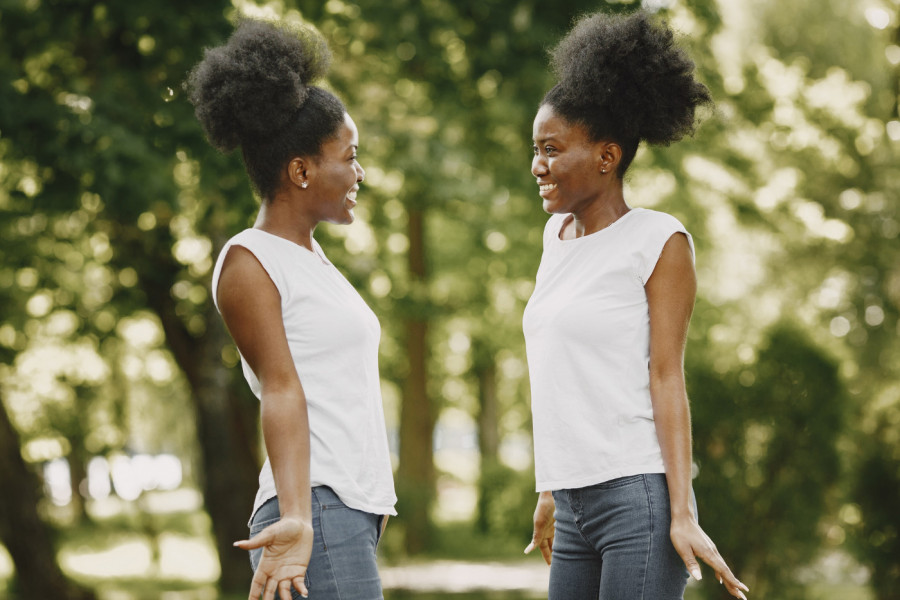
606	325
308	342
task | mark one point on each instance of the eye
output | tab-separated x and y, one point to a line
534	149
549	150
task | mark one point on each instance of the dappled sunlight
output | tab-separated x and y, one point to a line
116	374
132	557
187	559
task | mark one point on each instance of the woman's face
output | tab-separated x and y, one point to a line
338	175
566	163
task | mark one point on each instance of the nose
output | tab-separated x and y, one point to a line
360	173
538	166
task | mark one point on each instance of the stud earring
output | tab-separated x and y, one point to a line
304	185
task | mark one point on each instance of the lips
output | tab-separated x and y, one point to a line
351	196
546	189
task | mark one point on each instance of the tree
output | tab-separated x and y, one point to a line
89	104
27	538
763	434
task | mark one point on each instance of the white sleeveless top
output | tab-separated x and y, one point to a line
587	338
333	337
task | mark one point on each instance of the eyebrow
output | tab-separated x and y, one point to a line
549	138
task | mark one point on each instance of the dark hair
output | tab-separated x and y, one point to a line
623	79
254	92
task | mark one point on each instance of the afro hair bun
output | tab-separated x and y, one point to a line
624	75
255	83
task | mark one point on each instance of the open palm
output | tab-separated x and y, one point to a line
287	546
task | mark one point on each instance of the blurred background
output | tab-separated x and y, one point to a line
129	443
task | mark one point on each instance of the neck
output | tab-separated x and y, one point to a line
277	217
600	214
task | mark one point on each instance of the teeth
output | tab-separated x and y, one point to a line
547	187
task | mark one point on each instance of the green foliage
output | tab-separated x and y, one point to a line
506	498
874	520
766	443
112	206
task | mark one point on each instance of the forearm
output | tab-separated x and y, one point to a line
673	428
285	425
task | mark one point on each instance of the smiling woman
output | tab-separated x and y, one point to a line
308	342
606	326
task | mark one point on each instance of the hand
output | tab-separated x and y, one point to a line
287	546
690	542
544	527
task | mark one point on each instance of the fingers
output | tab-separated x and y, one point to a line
535	539
284	589
693	568
547	550
271	589
257	586
734	586
258	541
300	586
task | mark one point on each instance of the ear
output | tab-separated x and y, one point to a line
297	172
607	155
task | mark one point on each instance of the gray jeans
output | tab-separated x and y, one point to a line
342	565
612	542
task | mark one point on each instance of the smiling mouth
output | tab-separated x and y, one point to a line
351	196
547	187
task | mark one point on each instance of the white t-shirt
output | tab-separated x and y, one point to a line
333	337
587	337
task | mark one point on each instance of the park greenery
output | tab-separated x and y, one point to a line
114	207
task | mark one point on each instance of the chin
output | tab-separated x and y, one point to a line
553	208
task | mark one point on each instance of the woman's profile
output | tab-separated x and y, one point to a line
308	342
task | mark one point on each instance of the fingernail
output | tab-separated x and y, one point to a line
720	581
741	594
529	548
696	574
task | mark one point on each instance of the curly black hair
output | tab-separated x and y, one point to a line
623	79
255	92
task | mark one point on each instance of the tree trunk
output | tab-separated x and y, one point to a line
228	442
488	412
488	431
415	472
28	539
226	418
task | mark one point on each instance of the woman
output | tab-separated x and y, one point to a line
606	325
307	340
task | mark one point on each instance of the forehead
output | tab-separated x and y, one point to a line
548	124
349	130
345	139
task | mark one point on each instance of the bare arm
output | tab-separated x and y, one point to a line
670	294
251	307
